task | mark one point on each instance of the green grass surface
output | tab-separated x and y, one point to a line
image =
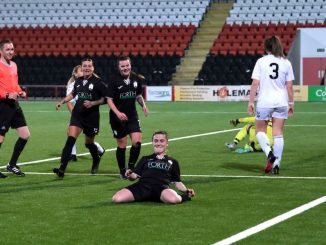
40	209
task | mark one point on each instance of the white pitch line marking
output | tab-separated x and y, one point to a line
254	177
70	174
113	149
194	175
271	222
149	143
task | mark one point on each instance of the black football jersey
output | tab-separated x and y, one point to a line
88	89
153	170
124	93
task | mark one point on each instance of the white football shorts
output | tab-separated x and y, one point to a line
269	113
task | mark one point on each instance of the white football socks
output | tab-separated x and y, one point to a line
264	142
278	149
99	148
74	150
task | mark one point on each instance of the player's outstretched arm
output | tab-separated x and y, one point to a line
69	97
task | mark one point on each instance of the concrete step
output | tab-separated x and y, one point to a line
197	52
201	45
196	55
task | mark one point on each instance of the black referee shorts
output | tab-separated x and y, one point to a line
11	115
146	192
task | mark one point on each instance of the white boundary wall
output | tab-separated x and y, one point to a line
308	43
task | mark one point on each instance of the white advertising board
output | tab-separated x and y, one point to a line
159	93
212	93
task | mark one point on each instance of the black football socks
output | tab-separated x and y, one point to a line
19	147
121	158
134	154
66	152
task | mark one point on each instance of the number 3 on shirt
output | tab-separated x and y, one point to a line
275	71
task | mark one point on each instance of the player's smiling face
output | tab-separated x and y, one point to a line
125	68
160	144
87	68
7	51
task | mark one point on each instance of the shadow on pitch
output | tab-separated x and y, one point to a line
254	168
51	183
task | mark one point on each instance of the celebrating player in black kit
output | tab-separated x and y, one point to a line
155	172
85	115
124	89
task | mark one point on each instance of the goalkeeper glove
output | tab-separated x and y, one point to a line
234	122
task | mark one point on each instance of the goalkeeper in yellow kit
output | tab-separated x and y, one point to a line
250	131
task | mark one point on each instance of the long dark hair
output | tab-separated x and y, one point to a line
274	46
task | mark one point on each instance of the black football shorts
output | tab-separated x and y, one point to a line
90	124
121	129
146	192
11	115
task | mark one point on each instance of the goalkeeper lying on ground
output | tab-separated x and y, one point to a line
250	131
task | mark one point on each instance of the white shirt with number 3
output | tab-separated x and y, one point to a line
273	73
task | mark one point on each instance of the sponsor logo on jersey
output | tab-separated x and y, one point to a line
159	165
128	95
84	96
